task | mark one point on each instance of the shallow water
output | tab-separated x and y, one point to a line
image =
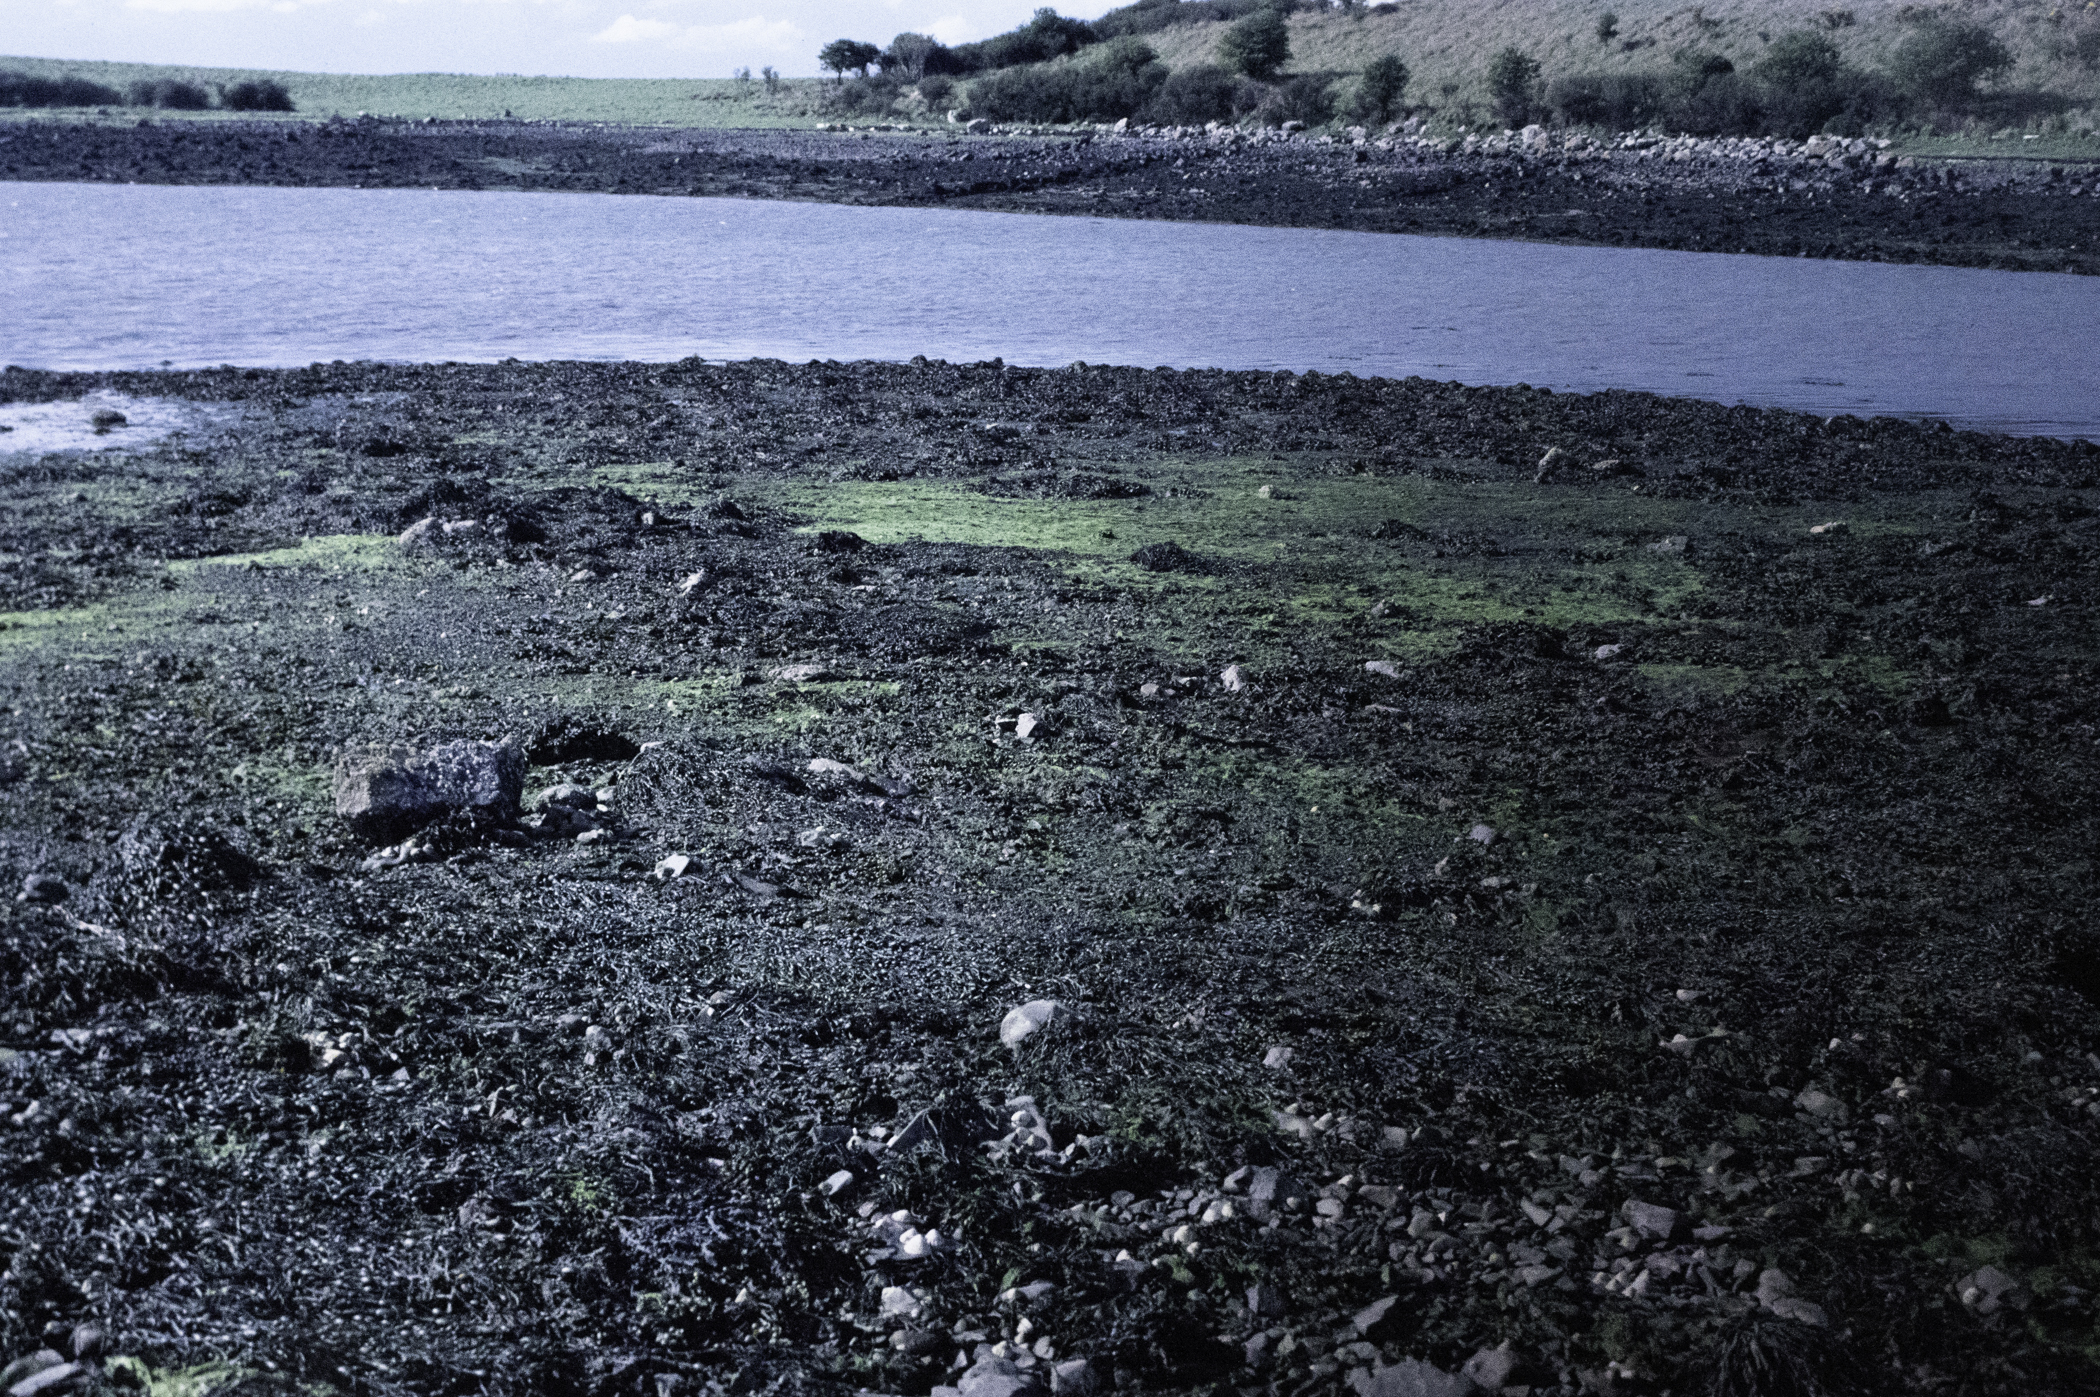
110	276
70	426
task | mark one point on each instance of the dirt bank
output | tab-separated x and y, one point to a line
1705	196
1595	907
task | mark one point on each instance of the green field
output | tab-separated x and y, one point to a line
720	102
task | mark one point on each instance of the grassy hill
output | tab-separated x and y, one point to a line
1447	43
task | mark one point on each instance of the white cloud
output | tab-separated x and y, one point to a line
755	32
629	30
211	7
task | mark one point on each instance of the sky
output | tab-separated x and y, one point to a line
574	38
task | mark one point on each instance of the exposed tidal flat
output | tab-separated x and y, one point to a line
1600	875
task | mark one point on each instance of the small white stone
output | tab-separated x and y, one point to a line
1830	529
583	575
838	1183
1384	667
1233	679
1019	1023
691	581
1278	1057
1605	652
1026	724
672	866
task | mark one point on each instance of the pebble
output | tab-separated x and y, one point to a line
1072	1378
1410	1377
418	532
691	581
1491	1369
1025	725
803	674
1831	529
1675	543
837	1184
1023	1021
1278	1057
1384	667
49	1379
672	866
583	575
1234	679
1605	652
1775	1291
1368	1318
1987	1290
1482	834
1652	1220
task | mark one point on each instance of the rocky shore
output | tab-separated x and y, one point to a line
1820	199
678	879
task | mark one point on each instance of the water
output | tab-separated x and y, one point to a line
113	276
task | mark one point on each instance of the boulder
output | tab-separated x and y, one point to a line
386	791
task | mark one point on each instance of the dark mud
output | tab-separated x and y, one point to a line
1702	196
1692	905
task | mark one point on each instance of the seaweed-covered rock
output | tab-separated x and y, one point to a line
1169	557
391	790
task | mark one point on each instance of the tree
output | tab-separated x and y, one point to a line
841	54
1943	60
1258	45
1513	76
1799	59
911	55
1383	81
1607	27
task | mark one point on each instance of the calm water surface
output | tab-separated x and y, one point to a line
109	276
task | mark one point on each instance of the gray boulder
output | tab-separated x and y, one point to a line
386	791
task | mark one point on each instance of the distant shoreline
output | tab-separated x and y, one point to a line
1851	203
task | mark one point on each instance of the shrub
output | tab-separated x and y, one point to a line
267	96
1800	57
1943	60
1119	84
1303	98
1607	27
1194	96
1513	77
170	95
1384	80
1620	101
1725	104
1258	45
21	90
861	97
936	89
